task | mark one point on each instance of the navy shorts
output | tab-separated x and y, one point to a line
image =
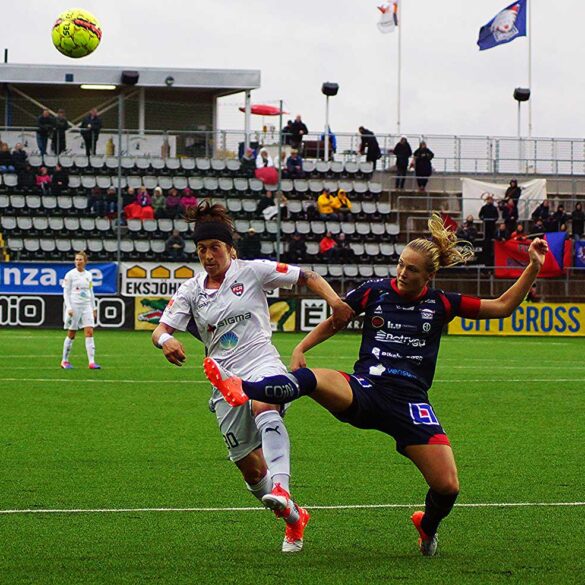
408	420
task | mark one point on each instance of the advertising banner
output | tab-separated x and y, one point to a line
148	311
146	279
553	319
313	311
580	254
283	314
45	278
47	311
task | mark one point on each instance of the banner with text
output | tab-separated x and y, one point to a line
146	279
45	278
553	319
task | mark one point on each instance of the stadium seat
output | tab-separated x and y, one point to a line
359	189
71	226
50	161
203	165
234	206
95	248
321	270
295	209
369	207
158	248
241	185
57	226
157	164
308	167
210	185
111	163
387	250
97	163
142	164
150	228
150	182
350	169
378	229
337	168
63	246
15	245
348	228
357	248
398	249
33	204
226	185
24	225
190	249
381	271
392	229
336	270
233	166
331	185
362	228
173	165
372	249
40	226
65	204
196	184
80	204
286	186
266	248
181	225
322	168
315	187
134	227
5	204
49	203
366	270
127	248
312	249
180	183
122	182
218	166
288	227
318	228
81	163
366	169
18	204
258	225
255	185
334	227
103	225
303	227
165	226
88	181
111	248
301	187
128	164
249	207
10	181
103	181
8	224
66	161
188	164
74	182
142	250
350	271
32	249
35	161
383	208
375	189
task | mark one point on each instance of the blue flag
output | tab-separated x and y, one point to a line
505	26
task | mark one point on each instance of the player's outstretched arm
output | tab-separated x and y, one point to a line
162	337
342	312
509	300
322	332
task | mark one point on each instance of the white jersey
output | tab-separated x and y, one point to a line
233	321
78	290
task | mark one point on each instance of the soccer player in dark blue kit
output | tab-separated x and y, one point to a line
388	391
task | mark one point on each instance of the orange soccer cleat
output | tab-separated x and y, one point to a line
229	386
427	545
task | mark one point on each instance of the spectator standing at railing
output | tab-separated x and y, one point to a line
19	157
60	180
59	141
560	218
287	133
43	180
158	202
513	191
577	221
248	163
332	140
423	168
402	151
509	213
45	128
6	159
369	146
467	230
520	235
489	215
542	211
298	131
90	131
294	165
502	234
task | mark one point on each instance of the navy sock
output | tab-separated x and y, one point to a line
437	507
282	388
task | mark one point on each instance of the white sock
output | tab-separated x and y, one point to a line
262	488
67	344
90	348
275	446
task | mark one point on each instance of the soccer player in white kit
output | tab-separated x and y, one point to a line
79	310
225	307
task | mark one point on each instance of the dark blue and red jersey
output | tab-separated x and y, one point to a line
400	338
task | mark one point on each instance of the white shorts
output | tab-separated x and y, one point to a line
82	317
237	425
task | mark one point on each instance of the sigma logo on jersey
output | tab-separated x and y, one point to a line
427	314
234	319
401	339
238	289
281	267
422	414
228	340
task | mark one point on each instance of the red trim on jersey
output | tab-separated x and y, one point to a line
346	376
469	307
394	285
365	298
439	439
447	305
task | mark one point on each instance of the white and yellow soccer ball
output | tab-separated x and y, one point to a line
76	33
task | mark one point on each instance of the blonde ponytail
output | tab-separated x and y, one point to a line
443	249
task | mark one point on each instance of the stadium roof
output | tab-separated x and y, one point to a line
222	81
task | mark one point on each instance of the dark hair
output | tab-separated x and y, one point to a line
205	211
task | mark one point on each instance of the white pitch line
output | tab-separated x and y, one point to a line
259	509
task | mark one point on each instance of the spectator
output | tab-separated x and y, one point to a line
43	180
502	234
248	163
369	146
90	131
294	165
172	204
402	151
520	235
111	201
327	205
267	208
550	224
265	170
96	202
287	133
26	178
264	160
19	157
143	197
327	248
467	231
45	128
509	213
297	249
332	141
59	142
188	199
538	227
175	246
298	130
577	221
344	253
423	168
561	218
137	211
60	180
513	191
158	202
489	215
344	209
6	159
129	196
250	245
542	211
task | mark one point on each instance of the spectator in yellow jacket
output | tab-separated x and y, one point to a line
328	204
344	205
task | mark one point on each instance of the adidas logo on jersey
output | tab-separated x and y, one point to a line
378	310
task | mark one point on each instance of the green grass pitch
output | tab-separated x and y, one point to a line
138	435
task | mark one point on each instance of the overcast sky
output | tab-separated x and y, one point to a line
449	87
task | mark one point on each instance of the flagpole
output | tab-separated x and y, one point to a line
529	8
398	84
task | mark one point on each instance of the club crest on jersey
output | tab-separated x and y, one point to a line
427	314
238	289
377	321
363	382
422	414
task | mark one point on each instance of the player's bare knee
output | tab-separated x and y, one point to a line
447	486
260	407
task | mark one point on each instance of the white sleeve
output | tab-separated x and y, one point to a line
275	274
67	291
177	313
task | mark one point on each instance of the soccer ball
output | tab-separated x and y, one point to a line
76	33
